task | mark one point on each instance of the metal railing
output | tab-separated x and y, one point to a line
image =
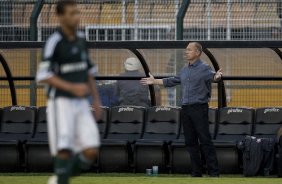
189	20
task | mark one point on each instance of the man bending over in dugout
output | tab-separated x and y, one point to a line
67	71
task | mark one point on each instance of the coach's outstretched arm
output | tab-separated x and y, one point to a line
173	81
166	82
151	80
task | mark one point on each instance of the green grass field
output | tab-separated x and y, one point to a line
138	179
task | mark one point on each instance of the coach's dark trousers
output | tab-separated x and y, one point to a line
196	131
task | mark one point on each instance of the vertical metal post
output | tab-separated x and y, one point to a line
136	20
179	19
33	53
32	72
209	14
228	37
123	20
177	6
228	31
39	28
33	19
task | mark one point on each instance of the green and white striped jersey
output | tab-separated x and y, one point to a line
66	59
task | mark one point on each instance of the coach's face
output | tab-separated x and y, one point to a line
70	17
191	52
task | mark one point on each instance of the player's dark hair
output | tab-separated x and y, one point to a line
61	5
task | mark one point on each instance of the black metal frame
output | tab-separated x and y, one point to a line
147	71
10	79
134	47
220	86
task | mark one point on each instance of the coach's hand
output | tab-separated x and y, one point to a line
80	90
218	75
148	80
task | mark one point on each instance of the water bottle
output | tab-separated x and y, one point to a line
155	170
149	172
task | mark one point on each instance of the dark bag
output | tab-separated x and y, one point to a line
258	155
279	164
252	155
268	145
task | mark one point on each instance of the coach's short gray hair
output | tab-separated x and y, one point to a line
198	46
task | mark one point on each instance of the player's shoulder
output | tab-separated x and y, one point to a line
81	37
54	38
51	44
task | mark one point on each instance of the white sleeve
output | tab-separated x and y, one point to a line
45	69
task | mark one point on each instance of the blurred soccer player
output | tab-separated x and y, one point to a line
68	73
195	79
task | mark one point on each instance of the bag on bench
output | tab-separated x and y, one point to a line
279	163
258	155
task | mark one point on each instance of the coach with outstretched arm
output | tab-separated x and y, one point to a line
195	79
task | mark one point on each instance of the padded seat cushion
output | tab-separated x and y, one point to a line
225	143
113	142
148	142
179	142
